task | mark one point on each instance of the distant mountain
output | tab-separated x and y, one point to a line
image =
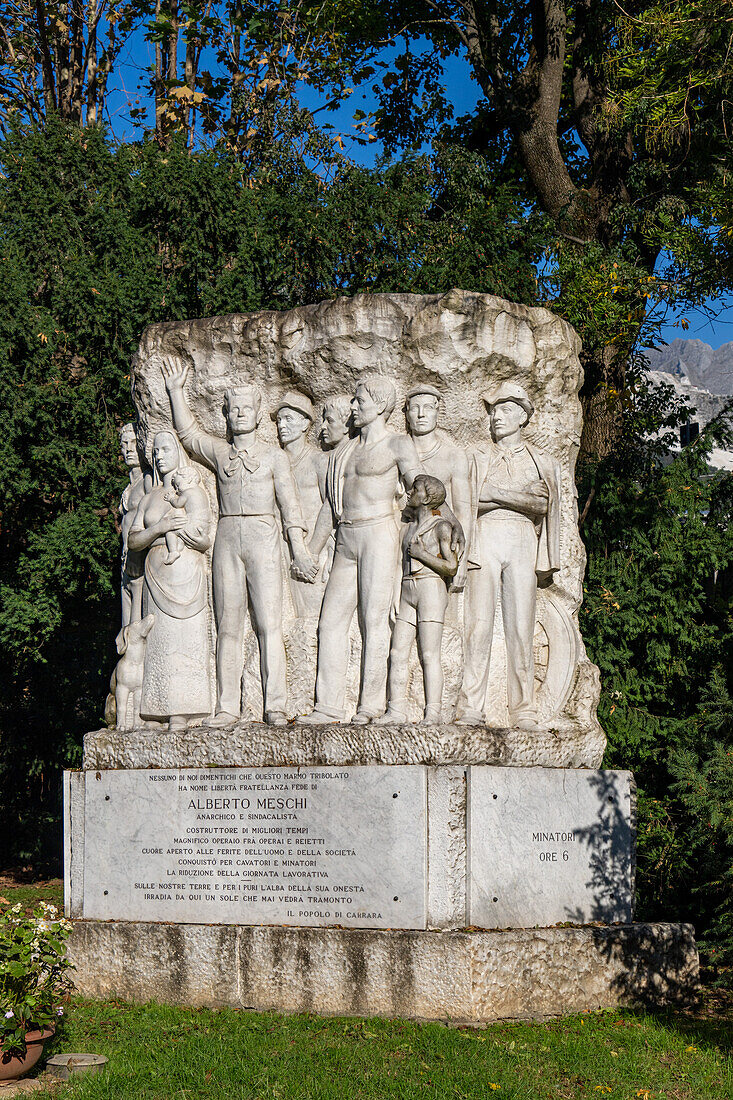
703	376
695	363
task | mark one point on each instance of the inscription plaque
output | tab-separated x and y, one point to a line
308	846
547	846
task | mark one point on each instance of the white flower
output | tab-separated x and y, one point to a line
59	1011
42	925
9	1014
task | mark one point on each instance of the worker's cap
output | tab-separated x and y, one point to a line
297	401
509	391
424	387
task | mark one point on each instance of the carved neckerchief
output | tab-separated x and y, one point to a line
242	456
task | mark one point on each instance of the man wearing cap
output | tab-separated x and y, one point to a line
442	459
517	544
254	481
294	416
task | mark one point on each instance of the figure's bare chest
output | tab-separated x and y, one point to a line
375	460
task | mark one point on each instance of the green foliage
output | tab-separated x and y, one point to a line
658	620
97	242
34	972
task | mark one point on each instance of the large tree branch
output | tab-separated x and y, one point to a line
537	110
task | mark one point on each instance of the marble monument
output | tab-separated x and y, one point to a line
354	760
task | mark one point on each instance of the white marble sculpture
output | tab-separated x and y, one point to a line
335	420
361	490
441	458
517	547
132	562
175	686
128	675
429	564
255	487
510	651
294	416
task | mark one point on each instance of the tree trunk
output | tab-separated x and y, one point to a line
92	64
47	69
62	59
76	64
173	44
600	398
158	82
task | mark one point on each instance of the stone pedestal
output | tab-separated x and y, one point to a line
432	889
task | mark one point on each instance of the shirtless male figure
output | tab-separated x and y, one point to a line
361	487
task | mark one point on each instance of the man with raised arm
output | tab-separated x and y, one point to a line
361	487
253	480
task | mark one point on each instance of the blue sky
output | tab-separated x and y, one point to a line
138	55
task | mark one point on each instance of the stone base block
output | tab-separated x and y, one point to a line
253	744
465	976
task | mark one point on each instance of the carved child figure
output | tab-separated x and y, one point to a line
429	564
187	495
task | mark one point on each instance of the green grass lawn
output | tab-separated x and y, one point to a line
161	1053
14	890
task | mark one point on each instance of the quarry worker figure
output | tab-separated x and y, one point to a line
294	416
517	544
441	458
254	481
361	487
335	420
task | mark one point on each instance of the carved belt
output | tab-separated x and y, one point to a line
367	522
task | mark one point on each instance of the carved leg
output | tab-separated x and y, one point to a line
264	584
518	606
121	699
339	605
429	639
403	635
136	694
482	589
228	579
378	558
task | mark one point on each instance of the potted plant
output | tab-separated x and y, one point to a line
34	980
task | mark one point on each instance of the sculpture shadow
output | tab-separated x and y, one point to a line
655	965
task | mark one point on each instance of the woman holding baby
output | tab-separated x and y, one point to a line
173	523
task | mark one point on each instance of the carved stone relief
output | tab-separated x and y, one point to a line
395	526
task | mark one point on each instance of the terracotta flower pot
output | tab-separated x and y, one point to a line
15	1065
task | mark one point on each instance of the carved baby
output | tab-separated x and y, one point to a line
188	496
